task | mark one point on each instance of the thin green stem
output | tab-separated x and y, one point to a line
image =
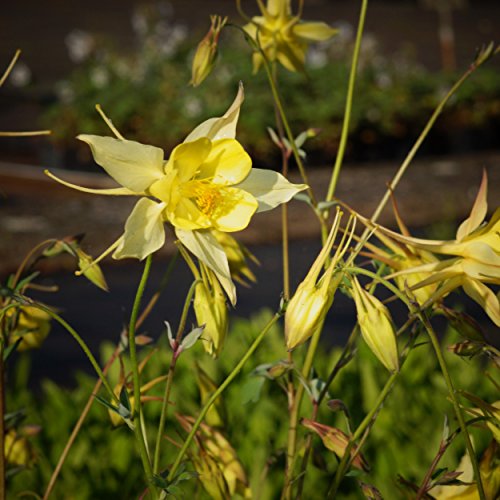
218	392
170	377
456	405
347	457
116	353
82	344
138	424
348	105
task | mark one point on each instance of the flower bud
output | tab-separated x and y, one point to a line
376	327
308	307
206	52
91	271
219	470
334	440
237	255
17	449
210	309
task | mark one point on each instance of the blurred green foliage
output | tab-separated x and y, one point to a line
146	94
104	463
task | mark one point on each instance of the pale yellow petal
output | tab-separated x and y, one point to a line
478	212
187	215
112	191
279	8
144	231
236	211
269	188
132	164
186	158
205	246
484	297
227	164
223	127
315	31
292	55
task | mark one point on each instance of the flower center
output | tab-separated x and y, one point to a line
208	197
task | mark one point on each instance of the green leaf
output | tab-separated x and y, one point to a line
251	390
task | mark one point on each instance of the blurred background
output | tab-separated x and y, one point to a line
134	59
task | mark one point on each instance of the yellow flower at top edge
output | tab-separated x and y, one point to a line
282	36
206	184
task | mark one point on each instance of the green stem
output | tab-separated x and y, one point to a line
83	345
456	405
170	377
294	414
116	353
218	392
346	458
348	105
138	425
286	125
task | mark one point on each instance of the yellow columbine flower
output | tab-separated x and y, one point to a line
282	36
474	257
376	327
32	325
206	184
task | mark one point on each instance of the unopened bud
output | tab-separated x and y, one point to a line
334	440
376	327
210	309
206	52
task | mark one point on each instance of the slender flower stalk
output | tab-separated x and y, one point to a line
348	104
218	392
138	416
170	377
456	404
118	349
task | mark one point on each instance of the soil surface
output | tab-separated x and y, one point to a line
34	208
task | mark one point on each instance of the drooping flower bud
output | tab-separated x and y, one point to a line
309	305
210	309
206	52
237	255
334	440
376	327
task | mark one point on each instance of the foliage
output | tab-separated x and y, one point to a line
144	88
100	463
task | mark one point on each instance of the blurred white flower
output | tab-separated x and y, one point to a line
99	77
80	45
20	75
192	107
317	57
